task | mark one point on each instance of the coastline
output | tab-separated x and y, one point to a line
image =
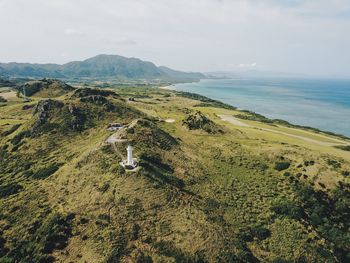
168	87
257	116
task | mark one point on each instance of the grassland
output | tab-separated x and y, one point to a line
262	192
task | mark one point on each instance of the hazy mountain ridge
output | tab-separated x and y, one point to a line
98	67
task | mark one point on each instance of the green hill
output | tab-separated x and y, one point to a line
44	88
210	187
98	67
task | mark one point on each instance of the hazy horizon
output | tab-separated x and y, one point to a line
297	36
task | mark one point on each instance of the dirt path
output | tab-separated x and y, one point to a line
233	120
170	120
9	95
237	122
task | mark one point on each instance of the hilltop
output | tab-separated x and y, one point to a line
100	67
214	184
44	88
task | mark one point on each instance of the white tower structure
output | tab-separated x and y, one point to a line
130	160
130	163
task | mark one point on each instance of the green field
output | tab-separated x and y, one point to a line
227	193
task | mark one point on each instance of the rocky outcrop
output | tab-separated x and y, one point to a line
198	121
77	118
95	99
51	87
42	111
85	92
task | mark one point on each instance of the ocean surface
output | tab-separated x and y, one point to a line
319	103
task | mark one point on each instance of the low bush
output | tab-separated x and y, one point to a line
168	249
104	188
19	137
280	166
46	171
11	130
9	189
287	208
135	232
344	148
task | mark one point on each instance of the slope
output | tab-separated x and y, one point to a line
240	195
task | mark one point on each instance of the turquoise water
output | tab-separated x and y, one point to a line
323	104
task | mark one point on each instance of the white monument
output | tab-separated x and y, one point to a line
130	163
130	160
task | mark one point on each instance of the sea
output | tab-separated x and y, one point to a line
318	103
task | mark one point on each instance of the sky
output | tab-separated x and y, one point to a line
299	36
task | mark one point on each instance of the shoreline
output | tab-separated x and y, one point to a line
168	87
264	119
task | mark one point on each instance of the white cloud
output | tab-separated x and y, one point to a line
73	32
251	65
123	41
310	36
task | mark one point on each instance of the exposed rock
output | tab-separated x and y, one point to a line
53	87
27	107
77	118
147	133
84	92
198	121
42	111
100	100
2	99
96	99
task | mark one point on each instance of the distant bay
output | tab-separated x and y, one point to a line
319	103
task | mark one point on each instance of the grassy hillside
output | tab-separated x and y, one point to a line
210	188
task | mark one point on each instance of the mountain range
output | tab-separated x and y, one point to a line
99	67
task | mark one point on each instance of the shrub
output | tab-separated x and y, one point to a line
344	148
280	166
142	258
287	208
46	171
104	188
10	189
11	130
135	232
345	173
19	137
335	164
261	232
119	247
167	248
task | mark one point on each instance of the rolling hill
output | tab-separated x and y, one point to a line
99	67
214	184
